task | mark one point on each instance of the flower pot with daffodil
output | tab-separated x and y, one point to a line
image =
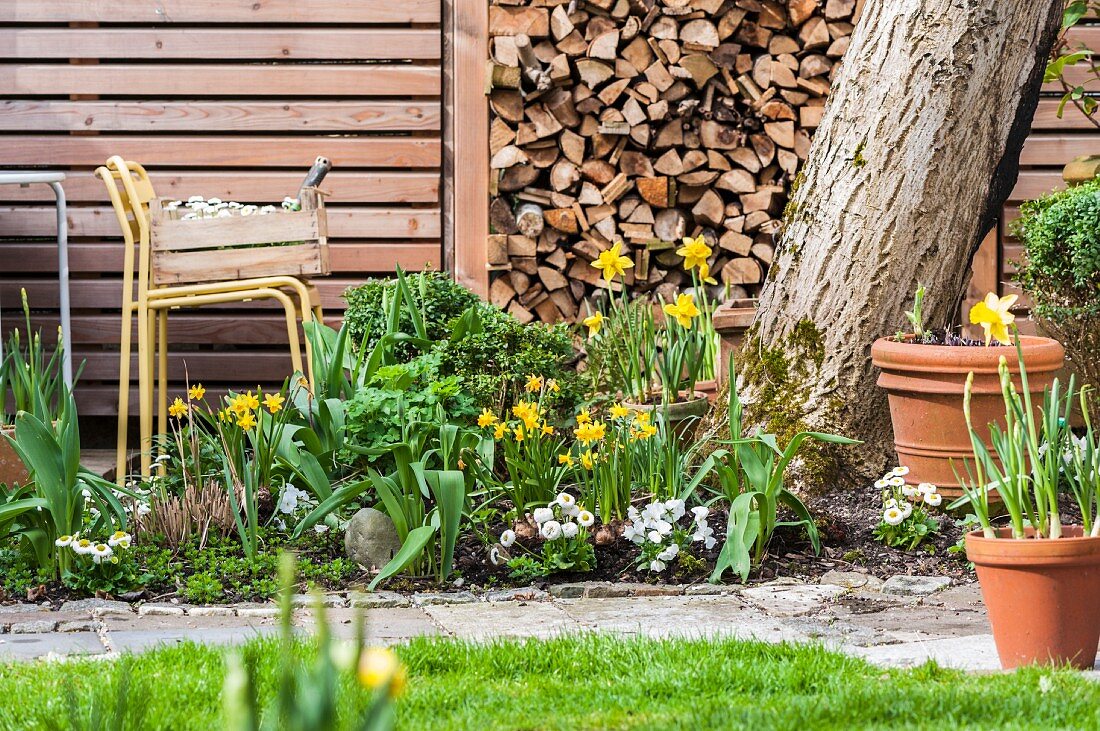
924	374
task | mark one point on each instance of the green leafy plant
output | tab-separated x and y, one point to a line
916	315
307	695
1027	459
564	543
31	373
904	522
751	476
102	567
1064	56
1060	271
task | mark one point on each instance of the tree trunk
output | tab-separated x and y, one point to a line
917	152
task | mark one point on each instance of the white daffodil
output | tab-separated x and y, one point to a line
893	516
64	541
925	488
543	515
669	553
551	530
101	552
569	529
933	499
899	471
655	537
675	508
700	512
507	538
565	500
656	565
585	518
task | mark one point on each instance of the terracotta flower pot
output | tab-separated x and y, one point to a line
1043	596
925	385
708	388
12	469
732	320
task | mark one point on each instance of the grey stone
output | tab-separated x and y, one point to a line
377	599
257	610
161	610
852	580
21	609
371	540
521	594
137	640
78	625
502	619
791	600
97	607
707	590
568	591
458	597
33	627
305	601
973	652
902	585
52	644
212	611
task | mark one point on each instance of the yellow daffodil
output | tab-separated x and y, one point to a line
534	383
553	386
993	315
518	434
645	431
588	433
641	417
547	430
593	323
486	418
704	274
251	402
246	421
461	465
223	414
565	459
695	252
587	460
196	392
584	417
274	402
684	310
500	431
379	668
618	411
178	408
612	263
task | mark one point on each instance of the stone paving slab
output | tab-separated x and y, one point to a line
505	619
139	640
29	647
384	626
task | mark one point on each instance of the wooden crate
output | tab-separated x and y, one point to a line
235	247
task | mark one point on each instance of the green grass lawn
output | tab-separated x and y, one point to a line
586	682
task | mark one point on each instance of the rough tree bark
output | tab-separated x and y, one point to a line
917	152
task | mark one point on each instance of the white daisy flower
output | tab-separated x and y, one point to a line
572	511
909	491
551	530
494	557
893	516
543	515
585	518
882	484
926	487
507	538
214	201
119	538
569	530
565	500
82	546
896	481
906	510
933	498
195	199
64	541
891	503
900	471
101	552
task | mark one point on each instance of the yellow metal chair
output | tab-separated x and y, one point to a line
153	299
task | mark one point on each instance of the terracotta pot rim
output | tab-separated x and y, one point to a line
1073	549
1040	353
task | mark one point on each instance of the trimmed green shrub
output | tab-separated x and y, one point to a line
1061	270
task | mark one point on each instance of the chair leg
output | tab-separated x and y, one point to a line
146	344
292	330
162	374
123	391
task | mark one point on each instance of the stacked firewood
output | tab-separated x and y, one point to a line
645	121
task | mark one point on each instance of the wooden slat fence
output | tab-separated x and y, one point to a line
225	98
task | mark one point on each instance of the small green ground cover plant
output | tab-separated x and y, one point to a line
585	682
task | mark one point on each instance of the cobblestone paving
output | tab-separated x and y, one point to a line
904	621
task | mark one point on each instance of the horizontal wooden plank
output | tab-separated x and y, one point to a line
206	367
220	11
1077	75
1056	150
221	116
186	328
346	222
284	44
37	258
1046	117
1034	183
270	187
250	151
354	80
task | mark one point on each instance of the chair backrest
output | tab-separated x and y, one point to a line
233	247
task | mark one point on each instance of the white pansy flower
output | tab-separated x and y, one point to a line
633	534
507	538
656	565
675	508
700	512
585	518
893	516
653	512
632	514
543	515
569	530
143	509
320	528
669	553
663	527
655	537
551	530
933	498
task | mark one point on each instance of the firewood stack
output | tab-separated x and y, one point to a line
644	121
